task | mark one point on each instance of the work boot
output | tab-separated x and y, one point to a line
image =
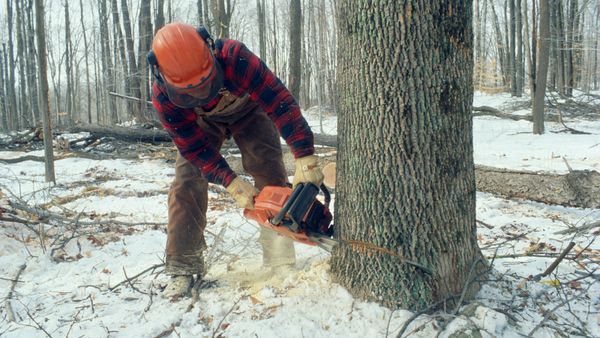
179	286
278	250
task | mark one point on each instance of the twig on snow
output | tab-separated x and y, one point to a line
38	325
557	261
227	314
9	309
579	229
547	315
128	280
131	283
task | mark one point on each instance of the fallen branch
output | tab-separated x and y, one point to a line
128	280
580	229
9	309
558	260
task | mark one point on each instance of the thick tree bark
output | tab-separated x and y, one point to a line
44	101
406	180
295	48
543	54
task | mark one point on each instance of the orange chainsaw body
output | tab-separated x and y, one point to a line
267	204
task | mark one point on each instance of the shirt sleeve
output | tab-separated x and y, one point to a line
190	139
250	73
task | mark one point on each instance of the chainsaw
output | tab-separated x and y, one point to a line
295	213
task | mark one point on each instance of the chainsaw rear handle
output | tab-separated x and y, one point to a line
286	207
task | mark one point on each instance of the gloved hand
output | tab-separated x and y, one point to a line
307	170
242	192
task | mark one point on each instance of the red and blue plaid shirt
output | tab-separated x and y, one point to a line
243	72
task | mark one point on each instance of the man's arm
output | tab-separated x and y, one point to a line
251	74
190	139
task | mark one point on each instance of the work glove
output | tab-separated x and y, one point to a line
307	170
242	192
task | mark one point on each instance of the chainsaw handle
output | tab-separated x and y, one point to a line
326	194
281	214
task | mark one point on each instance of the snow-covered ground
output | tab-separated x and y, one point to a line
74	281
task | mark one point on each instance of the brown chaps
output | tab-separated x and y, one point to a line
258	141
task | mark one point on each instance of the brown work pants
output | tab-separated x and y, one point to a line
258	141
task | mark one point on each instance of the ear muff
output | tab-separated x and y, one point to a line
206	36
153	62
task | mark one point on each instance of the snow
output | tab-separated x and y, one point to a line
68	292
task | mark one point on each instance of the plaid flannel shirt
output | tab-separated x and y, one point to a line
243	72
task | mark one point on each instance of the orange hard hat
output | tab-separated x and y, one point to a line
184	58
186	65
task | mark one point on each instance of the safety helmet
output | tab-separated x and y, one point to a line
182	60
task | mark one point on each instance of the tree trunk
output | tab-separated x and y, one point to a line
87	66
11	66
413	201
120	47
222	11
44	101
31	65
107	66
295	75
512	48
159	22
500	46
543	54
25	115
595	67
145	31
133	77
533	55
3	110
274	41
519	60
262	29
68	66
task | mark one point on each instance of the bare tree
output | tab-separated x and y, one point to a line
107	64
68	66
145	42
543	54
44	99
222	10
262	29
132	80
295	47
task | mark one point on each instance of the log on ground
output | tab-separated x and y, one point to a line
578	188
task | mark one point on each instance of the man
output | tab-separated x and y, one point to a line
206	91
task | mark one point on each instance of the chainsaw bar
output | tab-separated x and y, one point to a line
325	243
